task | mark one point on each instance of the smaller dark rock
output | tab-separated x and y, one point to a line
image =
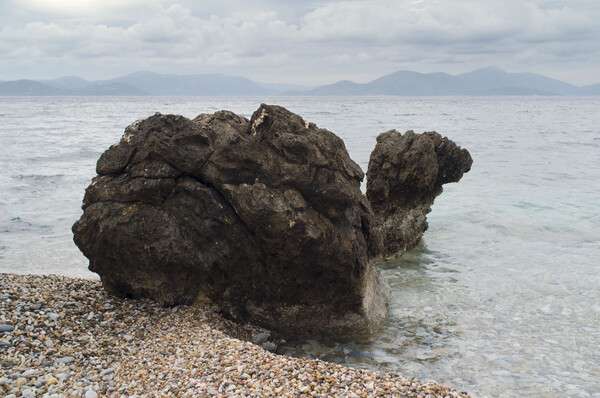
269	346
260	338
406	173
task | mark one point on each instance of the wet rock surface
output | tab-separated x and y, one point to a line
406	173
263	216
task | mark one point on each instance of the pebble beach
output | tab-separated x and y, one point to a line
64	337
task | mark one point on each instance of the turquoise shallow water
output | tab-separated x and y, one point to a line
501	297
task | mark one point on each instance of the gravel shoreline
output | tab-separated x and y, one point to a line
63	336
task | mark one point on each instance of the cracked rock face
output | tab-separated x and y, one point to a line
263	216
406	173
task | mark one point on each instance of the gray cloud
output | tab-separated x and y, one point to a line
289	42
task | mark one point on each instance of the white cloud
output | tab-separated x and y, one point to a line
427	22
349	36
80	8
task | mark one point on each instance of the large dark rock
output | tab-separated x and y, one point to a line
264	216
406	173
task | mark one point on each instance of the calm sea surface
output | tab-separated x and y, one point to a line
502	298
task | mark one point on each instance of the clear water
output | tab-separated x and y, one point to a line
501	299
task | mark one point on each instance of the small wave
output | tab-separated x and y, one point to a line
532	206
39	177
580	143
18	225
444	270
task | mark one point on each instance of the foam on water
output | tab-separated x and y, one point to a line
501	296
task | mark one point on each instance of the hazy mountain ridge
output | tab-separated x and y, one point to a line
147	83
481	82
192	85
485	82
63	88
593	89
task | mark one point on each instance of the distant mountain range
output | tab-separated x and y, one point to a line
481	82
147	84
37	88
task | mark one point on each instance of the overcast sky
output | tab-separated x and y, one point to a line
298	42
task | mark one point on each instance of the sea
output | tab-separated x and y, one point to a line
500	299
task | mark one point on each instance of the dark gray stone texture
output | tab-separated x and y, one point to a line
406	173
263	216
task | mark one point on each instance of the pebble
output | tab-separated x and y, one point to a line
269	346
91	394
104	346
53	316
107	371
260	338
6	328
28	394
64	360
29	373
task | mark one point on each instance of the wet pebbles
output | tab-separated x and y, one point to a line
65	337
